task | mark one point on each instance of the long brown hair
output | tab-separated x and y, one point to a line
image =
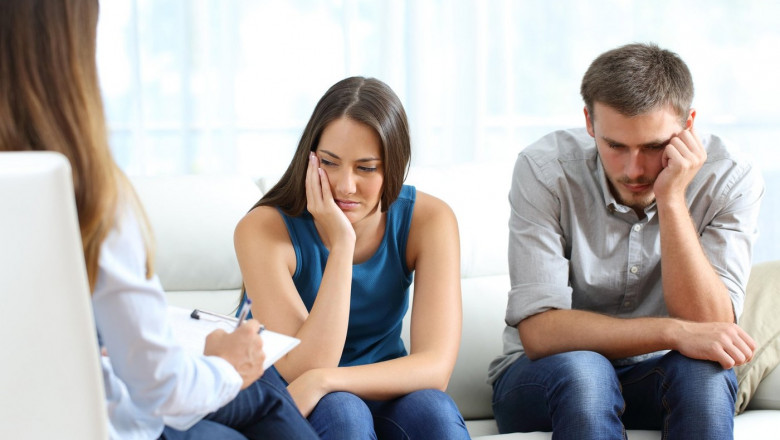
50	100
365	100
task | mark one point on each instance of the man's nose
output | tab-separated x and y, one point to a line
635	165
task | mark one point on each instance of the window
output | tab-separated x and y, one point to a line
214	86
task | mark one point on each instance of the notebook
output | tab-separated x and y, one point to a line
191	333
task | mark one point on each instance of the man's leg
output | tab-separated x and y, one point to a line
684	398
575	395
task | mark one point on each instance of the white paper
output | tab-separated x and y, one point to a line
191	333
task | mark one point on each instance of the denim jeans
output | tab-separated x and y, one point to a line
424	414
581	395
264	410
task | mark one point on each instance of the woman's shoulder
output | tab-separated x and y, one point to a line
261	221
427	205
431	214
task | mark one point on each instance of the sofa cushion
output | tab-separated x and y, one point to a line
759	319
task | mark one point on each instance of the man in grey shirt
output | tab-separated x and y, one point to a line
629	251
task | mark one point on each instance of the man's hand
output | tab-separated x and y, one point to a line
683	157
243	349
724	343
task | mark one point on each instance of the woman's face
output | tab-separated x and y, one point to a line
350	153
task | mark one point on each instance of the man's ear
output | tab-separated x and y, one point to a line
691	117
589	122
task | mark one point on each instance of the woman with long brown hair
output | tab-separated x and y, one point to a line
328	255
50	100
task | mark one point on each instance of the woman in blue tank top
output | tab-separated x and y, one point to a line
328	255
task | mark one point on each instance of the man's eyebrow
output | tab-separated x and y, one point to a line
612	141
651	144
365	159
658	143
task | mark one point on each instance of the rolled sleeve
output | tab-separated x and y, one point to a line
728	237
538	269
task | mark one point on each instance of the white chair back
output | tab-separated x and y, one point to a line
51	384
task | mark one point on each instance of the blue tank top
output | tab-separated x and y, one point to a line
380	285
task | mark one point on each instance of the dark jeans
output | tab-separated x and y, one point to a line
424	415
581	395
264	410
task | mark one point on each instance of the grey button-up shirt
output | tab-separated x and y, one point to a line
573	246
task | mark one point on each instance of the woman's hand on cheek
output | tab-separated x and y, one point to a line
320	204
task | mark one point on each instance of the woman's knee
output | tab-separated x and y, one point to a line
341	415
421	414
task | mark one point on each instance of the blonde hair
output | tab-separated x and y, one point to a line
50	100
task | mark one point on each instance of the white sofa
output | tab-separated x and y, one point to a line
194	217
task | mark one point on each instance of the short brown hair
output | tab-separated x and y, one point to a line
636	78
365	100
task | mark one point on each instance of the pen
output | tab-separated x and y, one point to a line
244	311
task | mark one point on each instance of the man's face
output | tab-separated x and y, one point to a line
631	149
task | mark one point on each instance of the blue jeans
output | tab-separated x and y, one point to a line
581	395
424	414
264	410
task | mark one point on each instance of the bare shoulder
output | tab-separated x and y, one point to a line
262	222
433	228
431	211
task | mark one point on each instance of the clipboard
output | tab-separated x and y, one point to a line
191	332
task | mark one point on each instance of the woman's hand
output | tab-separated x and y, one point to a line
319	202
307	390
243	349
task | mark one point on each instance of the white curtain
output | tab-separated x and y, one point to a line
226	86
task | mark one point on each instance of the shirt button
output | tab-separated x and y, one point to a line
634	269
637	228
628	304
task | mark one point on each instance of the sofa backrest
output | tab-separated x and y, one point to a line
193	219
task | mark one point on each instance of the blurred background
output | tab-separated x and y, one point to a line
226	86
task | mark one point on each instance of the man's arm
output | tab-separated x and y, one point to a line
692	289
558	331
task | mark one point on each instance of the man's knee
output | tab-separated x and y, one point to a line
579	386
694	380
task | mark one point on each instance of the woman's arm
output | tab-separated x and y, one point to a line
158	374
267	261
433	251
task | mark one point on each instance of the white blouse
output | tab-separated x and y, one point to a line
150	380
